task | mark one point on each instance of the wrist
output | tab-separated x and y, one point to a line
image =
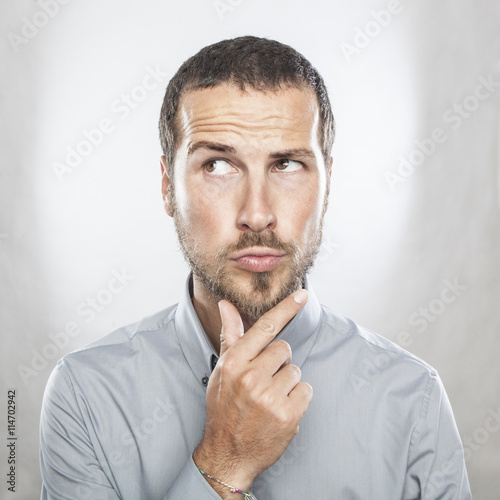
225	471
231	489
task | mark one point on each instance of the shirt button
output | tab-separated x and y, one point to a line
204	381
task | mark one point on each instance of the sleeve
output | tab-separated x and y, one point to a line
436	465
70	470
190	484
69	465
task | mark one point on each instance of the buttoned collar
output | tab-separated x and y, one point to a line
300	333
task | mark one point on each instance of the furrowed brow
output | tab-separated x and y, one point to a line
304	153
214	146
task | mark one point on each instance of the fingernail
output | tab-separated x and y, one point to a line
300	296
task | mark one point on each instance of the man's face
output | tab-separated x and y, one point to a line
249	192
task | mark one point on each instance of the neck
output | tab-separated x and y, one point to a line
207	309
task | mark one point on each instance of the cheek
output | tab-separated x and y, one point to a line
207	217
305	217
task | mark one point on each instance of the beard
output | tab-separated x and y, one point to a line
222	283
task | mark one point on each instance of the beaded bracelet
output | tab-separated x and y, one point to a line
232	489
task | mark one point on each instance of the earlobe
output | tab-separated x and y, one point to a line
165	186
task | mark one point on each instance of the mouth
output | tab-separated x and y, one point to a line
258	259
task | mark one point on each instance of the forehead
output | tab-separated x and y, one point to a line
226	112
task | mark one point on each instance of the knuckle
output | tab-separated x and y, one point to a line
227	365
283	345
295	371
248	380
307	390
267	400
286	419
267	326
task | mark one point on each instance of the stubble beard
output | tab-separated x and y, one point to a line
221	282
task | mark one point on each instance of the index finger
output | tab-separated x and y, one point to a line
269	325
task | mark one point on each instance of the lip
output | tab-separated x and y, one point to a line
258	259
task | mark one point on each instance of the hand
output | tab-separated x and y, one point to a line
255	399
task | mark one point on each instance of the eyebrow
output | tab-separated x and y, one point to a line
304	153
214	146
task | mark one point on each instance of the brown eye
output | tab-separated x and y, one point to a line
218	167
287	165
282	164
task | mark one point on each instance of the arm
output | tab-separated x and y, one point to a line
436	465
255	399
69	465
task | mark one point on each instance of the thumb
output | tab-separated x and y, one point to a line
232	326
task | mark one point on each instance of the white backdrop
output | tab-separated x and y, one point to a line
412	236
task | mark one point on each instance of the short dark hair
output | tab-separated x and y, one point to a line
246	61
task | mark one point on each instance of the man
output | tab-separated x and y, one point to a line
202	400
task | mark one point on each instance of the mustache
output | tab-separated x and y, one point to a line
262	239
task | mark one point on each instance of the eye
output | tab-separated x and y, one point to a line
218	167
286	165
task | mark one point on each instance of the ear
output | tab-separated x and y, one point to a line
329	178
165	186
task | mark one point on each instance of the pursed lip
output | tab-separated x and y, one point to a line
258	259
257	252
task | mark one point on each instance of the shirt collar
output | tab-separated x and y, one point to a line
300	333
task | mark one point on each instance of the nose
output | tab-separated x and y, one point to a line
256	212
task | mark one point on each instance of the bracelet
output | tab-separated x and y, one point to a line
232	489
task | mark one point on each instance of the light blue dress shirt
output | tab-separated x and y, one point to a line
122	416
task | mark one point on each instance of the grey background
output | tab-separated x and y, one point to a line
387	254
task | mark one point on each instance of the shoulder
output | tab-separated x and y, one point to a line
149	325
134	340
123	363
365	340
370	355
